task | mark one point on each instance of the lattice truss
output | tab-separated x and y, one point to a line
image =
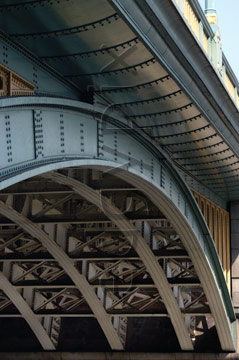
100	251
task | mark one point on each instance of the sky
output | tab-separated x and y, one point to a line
227	13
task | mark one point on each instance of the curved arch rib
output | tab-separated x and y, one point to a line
26	312
68	265
195	252
140	246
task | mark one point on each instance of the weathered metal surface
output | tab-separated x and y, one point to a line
117	149
140	246
113	146
26	312
176	105
150	112
68	266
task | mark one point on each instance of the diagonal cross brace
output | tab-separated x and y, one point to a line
26	312
68	265
140	246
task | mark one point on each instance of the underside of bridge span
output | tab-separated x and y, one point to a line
108	122
85	245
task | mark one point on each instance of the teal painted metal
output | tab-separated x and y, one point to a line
191	69
195	84
46	80
211	13
210	9
210	6
73	126
83	134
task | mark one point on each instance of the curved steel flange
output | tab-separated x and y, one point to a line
68	265
140	246
195	252
26	312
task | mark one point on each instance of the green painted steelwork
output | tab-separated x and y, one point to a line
147	160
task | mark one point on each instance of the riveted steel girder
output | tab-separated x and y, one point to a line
110	145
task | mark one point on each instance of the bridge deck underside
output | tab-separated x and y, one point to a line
107	258
85	255
92	46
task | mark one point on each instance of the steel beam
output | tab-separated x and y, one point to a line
120	356
95	256
105	285
26	313
140	246
68	265
197	256
96	218
110	315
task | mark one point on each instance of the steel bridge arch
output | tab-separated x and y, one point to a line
159	182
